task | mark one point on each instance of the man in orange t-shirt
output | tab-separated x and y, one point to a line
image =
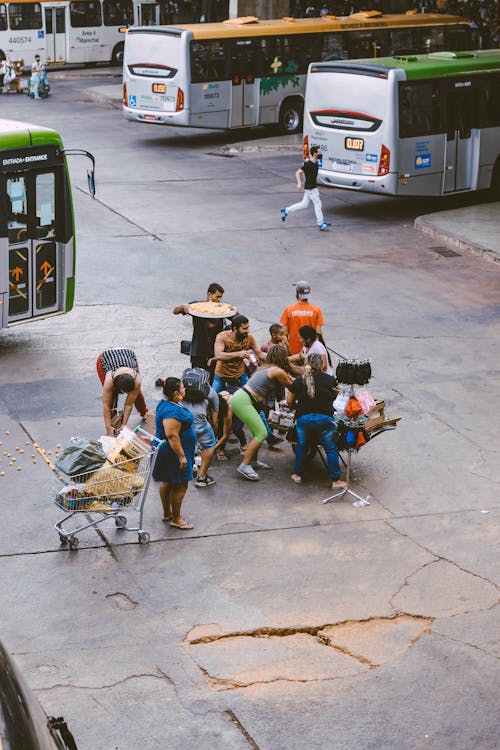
302	313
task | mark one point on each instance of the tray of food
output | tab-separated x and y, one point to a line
211	309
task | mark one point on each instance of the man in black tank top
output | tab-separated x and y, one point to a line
309	170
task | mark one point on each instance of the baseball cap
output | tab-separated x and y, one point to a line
303	289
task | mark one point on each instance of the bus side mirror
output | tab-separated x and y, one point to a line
91	182
90	172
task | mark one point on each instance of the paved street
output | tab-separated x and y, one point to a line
278	623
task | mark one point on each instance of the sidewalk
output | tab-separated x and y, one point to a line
475	228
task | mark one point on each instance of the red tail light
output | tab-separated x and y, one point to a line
179	104
125	100
306	148
385	161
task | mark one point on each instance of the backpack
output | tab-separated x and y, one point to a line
196	381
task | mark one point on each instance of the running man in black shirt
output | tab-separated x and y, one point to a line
311	193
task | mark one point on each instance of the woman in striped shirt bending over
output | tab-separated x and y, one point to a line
118	371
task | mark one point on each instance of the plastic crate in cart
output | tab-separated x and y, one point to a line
111	490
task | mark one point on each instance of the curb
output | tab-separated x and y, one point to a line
103	98
454	241
240	148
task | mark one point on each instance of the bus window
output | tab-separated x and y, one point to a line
26	16
84	14
118	12
18	209
208	61
405	41
373	43
283	55
456	38
45	205
245	60
3	18
419	109
492	101
333	48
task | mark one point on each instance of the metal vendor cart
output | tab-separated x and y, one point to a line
110	491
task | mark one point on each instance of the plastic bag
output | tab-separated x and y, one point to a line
340	403
80	456
366	400
353	409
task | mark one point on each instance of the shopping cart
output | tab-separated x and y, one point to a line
110	491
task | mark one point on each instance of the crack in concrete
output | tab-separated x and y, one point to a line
406	581
438	557
242	729
141	675
223	685
466	643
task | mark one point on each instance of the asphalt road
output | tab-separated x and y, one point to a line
278	622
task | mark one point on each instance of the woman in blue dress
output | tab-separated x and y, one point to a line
174	464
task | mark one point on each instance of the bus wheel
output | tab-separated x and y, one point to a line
495	181
117	56
291	116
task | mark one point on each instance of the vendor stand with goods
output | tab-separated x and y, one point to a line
105	478
358	418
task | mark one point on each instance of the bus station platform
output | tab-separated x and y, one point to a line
474	227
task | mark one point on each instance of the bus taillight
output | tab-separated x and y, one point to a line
179	104
385	161
306	148
125	102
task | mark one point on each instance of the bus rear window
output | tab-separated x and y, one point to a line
329	101
150	53
419	109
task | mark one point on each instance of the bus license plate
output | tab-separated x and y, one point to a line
354	144
159	88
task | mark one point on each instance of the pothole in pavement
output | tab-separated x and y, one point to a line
238	660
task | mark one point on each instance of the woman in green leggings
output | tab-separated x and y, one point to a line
247	402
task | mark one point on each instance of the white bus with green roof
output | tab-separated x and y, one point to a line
408	125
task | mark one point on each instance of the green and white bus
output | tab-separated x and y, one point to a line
407	125
37	232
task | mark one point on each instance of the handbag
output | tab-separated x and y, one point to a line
186	348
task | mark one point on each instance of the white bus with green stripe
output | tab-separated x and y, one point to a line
408	125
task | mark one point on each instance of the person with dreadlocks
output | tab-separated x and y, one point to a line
312	394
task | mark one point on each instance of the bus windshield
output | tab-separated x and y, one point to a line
330	100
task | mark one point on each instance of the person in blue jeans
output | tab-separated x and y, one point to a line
312	394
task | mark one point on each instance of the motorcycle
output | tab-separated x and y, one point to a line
43	86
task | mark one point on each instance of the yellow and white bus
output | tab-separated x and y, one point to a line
70	31
244	71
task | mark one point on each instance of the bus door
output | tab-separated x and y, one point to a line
55	31
245	83
35	258
461	106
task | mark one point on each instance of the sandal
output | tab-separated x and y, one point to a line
221	456
182	525
166	519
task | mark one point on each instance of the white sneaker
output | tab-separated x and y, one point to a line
248	472
260	465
